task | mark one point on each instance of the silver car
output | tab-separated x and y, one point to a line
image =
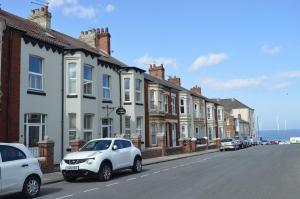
229	143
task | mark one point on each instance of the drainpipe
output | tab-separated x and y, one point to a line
9	83
62	103
120	90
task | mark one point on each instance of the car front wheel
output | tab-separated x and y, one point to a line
137	165
31	187
105	172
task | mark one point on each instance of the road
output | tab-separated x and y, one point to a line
259	172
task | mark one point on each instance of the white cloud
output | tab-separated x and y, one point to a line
58	3
281	85
268	50
110	8
207	60
234	83
289	74
147	59
80	11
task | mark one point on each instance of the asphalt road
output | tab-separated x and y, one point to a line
260	172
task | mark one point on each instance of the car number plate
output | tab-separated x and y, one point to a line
72	168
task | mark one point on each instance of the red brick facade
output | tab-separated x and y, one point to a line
10	86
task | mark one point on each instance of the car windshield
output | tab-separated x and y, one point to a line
226	140
96	145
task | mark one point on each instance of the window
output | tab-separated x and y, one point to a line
127	89
173	104
127	125
72	78
106	127
182	105
152	107
125	143
220	114
138	90
139	121
208	113
197	132
9	153
88	127
210	129
34	129
35	73
188	106
162	129
106	85
166	103
72	126
160	101
153	134
183	129
196	110
88	80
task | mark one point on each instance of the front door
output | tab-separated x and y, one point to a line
174	134
33	137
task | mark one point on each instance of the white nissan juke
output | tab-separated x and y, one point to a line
100	158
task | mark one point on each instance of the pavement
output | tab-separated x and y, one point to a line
55	177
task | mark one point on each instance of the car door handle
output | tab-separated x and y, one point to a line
24	165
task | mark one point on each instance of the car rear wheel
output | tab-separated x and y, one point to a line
137	165
31	187
105	172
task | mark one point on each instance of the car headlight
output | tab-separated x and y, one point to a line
90	160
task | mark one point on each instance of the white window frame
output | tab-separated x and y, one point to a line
152	100
139	125
34	74
105	88
127	90
127	128
160	101
72	130
85	129
209	111
173	104
153	134
166	104
41	124
88	81
182	105
108	126
72	80
196	109
138	92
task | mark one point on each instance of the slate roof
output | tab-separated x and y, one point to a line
231	103
53	37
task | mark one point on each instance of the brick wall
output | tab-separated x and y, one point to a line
10	85
152	153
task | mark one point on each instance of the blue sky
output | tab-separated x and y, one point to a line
247	49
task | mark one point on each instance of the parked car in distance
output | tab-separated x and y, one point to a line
99	158
242	142
19	171
229	143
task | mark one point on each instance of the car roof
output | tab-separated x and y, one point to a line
110	139
22	147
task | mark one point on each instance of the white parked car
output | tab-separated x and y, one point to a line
100	158
19	171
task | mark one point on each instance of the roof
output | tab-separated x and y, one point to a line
231	103
171	85
53	37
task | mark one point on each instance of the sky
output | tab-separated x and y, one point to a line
245	49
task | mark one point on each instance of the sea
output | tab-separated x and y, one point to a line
279	135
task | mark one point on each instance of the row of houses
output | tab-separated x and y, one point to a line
70	89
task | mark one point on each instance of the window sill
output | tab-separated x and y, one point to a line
127	103
36	92
89	97
72	96
107	101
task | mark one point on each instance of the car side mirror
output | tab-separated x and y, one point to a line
115	147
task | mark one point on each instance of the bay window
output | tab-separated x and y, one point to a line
127	89
138	90
106	87
88	80
72	78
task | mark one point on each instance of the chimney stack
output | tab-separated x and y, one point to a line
196	89
41	16
103	38
175	80
157	71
